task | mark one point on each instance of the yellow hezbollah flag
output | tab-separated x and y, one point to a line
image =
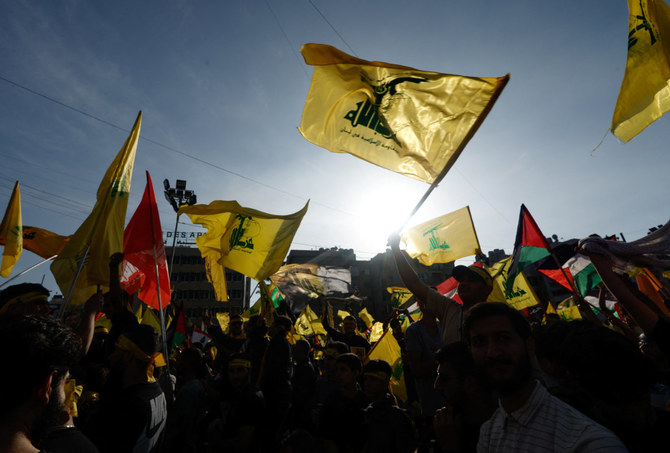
41	242
11	231
518	294
254	309
412	122
309	323
645	91
149	318
567	310
248	241
224	321
442	240
399	295
376	332
367	318
388	350
102	231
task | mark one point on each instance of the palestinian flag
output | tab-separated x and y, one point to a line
530	245
583	273
177	332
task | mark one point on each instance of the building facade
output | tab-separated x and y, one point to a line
188	280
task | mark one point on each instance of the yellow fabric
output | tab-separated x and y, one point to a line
11	230
254	309
138	313
366	317
519	295
343	314
240	363
23	298
102	230
309	323
443	239
248	241
41	242
104	322
267	307
387	349
645	91
149	318
126	344
567	310
72	394
224	321
412	122
376	332
399	295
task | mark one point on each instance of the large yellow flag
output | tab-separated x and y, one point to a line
412	122
399	295
519	294
41	242
102	231
442	240
309	323
248	241
645	91
11	231
388	349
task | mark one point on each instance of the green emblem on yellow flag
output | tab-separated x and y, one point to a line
245	240
412	122
442	240
11	231
645	91
101	234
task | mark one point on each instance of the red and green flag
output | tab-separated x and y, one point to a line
178	330
530	245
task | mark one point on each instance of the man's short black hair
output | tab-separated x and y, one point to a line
378	365
32	347
144	336
351	361
484	310
22	288
458	356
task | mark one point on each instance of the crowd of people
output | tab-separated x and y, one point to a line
479	377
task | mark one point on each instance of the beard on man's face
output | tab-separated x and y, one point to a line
53	415
505	375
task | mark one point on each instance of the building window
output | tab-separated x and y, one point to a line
236	294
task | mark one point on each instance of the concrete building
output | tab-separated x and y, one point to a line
189	284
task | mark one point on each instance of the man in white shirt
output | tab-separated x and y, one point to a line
528	418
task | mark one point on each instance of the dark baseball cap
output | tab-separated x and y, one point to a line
460	272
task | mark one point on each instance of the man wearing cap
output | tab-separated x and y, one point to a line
474	285
134	410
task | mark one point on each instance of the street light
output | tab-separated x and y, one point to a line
177	196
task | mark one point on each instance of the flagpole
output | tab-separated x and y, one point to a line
158	281
27	270
478	122
160	303
74	282
174	244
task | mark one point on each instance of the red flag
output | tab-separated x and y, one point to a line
558	276
144	251
449	288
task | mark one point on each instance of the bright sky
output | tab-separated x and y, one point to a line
222	86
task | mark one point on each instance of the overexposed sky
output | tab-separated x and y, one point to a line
222	86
